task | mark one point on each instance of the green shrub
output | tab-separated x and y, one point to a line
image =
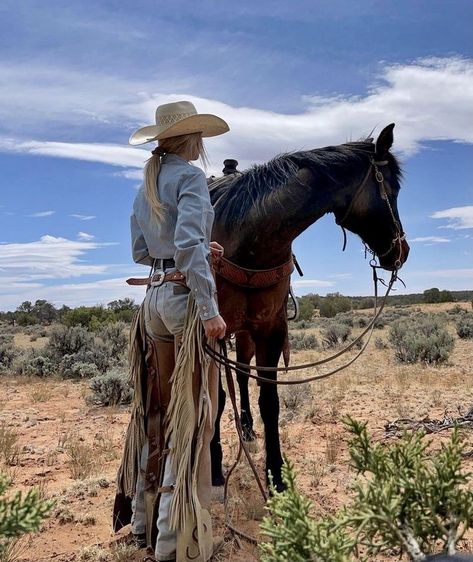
421	339
97	356
115	338
409	500
361	321
68	341
334	303
19	514
344	318
379	343
464	326
302	341
78	370
8	352
110	389
39	366
335	334
92	317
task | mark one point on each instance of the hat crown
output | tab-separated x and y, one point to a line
170	113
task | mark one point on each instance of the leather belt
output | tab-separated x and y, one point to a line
158	279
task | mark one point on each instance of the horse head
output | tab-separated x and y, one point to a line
369	208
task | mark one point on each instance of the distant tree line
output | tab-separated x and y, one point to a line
92	317
334	303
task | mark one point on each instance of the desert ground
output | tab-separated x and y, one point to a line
51	418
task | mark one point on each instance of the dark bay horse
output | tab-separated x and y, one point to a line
259	213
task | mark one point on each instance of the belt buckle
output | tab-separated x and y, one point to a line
159	281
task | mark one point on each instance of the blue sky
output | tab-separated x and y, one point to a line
78	78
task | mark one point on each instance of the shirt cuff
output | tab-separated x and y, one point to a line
208	308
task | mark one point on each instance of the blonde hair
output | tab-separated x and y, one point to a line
182	145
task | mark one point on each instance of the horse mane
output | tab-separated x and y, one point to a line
235	195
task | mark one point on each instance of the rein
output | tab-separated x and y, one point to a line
222	359
245	369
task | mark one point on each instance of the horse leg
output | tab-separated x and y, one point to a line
216	454
245	350
268	350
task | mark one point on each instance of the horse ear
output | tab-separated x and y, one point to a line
385	141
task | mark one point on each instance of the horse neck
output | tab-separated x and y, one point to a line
265	239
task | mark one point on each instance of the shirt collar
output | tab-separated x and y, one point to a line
173	159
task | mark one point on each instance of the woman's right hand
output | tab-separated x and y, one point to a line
215	327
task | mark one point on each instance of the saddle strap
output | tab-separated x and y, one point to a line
251	278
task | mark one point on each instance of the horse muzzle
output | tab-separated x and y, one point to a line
396	257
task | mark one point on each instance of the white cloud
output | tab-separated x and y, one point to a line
114	155
85	236
429	99
83	217
311	283
130	174
430	239
49	257
459	217
42	214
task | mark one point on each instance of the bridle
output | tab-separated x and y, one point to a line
399	236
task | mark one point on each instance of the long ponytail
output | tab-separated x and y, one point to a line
173	145
151	173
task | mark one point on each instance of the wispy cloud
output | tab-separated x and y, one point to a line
42	214
130	174
85	236
458	217
430	239
49	257
312	283
83	217
430	99
114	155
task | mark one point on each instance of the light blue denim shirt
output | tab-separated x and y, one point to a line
184	232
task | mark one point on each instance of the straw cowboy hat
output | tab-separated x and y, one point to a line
179	118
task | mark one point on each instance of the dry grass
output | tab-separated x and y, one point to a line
332	449
122	552
15	548
375	389
41	393
94	554
10	450
82	460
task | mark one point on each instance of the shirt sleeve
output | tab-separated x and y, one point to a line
139	247
192	245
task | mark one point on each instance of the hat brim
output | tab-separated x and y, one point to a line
207	124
